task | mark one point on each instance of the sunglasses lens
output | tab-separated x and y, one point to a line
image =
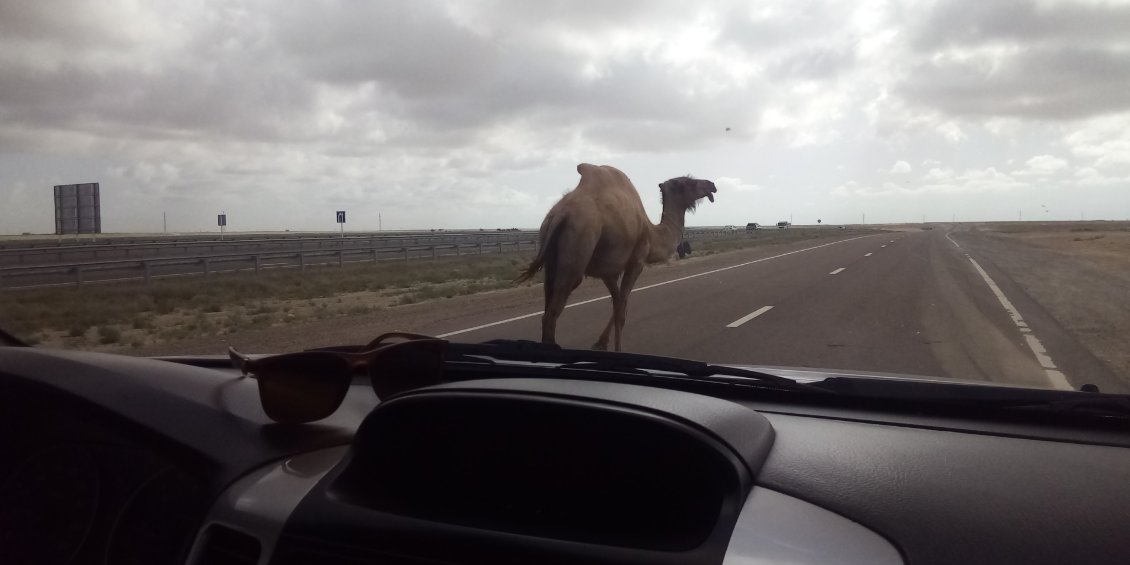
406	366
303	387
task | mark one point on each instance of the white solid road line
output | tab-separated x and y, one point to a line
538	313
1054	376
749	316
952	241
867	255
838	271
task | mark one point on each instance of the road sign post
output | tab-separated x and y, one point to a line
222	220
341	221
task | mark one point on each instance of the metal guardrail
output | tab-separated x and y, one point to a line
184	248
77	273
59	254
106	241
149	268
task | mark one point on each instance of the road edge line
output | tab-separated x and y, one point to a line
1055	377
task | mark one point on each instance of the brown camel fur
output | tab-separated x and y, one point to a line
601	230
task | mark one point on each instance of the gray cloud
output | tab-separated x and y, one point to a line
1053	83
961	22
486	106
1017	58
814	63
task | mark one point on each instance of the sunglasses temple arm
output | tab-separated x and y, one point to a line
242	362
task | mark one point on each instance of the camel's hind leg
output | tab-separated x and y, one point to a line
612	283
555	297
564	272
627	283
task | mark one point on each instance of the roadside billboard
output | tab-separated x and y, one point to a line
78	208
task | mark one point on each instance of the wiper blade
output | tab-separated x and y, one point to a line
1088	402
1108	406
11	340
535	352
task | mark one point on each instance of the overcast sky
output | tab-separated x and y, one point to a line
475	113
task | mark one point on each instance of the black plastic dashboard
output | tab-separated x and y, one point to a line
119	460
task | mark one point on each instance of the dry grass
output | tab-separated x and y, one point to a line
169	310
743	239
1105	242
1053	227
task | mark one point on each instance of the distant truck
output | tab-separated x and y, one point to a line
782	225
752	226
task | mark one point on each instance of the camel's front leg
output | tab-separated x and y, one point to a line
631	274
614	291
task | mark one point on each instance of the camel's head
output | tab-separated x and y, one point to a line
685	192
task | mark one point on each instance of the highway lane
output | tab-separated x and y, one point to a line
909	302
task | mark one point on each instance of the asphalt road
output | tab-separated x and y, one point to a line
907	302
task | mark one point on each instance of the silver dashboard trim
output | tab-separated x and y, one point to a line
777	528
260	503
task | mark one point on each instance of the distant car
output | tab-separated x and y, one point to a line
729	228
752	226
927	227
782	225
684	249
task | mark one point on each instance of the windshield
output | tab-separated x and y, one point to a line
934	189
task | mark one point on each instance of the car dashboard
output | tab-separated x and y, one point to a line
112	459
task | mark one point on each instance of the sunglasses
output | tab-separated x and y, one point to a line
311	385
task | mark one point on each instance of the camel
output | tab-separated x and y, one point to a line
600	229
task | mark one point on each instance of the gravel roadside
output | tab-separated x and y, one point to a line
1085	292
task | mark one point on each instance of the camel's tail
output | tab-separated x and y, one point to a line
545	247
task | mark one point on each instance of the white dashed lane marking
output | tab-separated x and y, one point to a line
749	316
868	255
838	271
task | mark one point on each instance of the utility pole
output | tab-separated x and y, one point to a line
379	223
1020	215
865	217
164	222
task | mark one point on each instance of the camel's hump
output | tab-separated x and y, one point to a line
589	168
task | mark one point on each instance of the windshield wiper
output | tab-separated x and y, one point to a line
1088	402
11	340
1107	406
608	361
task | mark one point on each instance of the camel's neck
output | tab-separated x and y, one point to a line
666	236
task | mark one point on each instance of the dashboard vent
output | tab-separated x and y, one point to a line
304	551
225	546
